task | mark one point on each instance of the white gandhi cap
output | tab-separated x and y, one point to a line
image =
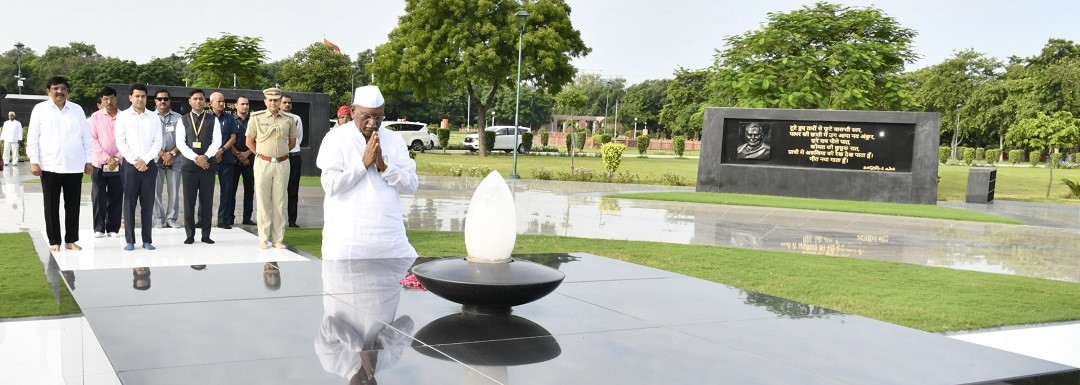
368	96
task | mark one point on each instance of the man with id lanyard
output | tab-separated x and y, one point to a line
166	211
198	136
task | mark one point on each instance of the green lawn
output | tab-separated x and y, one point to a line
24	292
897	209
926	298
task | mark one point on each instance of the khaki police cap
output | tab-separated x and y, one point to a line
272	93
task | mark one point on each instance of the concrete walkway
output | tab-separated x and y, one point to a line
1046	248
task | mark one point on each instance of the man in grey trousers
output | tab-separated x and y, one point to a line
167	209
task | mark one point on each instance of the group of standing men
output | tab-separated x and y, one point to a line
139	154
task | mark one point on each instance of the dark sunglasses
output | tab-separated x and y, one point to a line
162	99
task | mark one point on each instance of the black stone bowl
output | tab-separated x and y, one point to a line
476	339
488	288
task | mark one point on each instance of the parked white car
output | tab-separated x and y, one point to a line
415	134
504	139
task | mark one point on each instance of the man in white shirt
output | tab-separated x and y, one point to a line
138	137
10	137
364	169
198	137
295	162
58	144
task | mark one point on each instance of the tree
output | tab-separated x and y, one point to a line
536	106
87	81
571	101
1046	134
686	99
827	56
946	87
9	66
644	101
318	68
216	62
438	47
59	61
163	71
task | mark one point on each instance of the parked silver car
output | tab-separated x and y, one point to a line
504	139
415	134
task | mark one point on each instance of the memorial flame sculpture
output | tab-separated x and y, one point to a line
488	280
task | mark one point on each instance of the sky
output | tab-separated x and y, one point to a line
633	39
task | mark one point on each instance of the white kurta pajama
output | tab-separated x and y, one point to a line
361	209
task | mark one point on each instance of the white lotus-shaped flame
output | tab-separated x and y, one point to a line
491	222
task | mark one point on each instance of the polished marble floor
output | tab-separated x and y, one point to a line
1045	248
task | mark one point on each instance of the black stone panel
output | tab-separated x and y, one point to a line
637	326
908	178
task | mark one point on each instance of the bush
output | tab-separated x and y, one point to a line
444	137
991	156
642	144
579	139
544	136
1033	157
527	140
479	171
489	141
680	145
1074	188
542	173
969	156
943	154
597	141
578	175
673	179
611	153
1055	160
545	149
605	139
1015	156
625	177
980	153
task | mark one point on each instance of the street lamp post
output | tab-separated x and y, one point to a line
955	130
635	127
18	59
607	100
521	16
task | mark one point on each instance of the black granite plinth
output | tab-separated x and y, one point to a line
609	322
488	288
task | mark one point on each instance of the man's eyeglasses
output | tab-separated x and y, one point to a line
162	99
377	118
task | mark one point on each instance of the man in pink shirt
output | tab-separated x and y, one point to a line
107	191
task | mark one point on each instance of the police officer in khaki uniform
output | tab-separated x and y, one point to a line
270	135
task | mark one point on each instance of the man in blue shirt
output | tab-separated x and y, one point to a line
226	161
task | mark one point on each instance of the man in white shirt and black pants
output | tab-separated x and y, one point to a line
138	137
58	144
295	162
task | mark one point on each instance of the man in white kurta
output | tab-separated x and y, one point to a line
364	169
10	135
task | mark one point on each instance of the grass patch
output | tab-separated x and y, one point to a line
926	298
24	291
881	208
1014	183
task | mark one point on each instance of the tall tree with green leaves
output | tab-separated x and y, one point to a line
60	61
644	101
687	95
9	66
826	56
318	68
87	81
946	87
163	71
440	46
1047	134
216	62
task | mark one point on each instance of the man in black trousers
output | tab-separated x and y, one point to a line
198	136
139	138
295	163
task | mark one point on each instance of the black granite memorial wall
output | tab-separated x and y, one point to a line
856	155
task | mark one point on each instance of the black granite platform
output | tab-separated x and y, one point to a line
610	322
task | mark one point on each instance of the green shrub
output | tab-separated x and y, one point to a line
527	140
489	141
611	153
673	179
680	145
969	156
943	154
1015	156
625	177
1074	188
579	139
542	173
545	149
1033	157
642	144
577	175
444	138
479	171
597	141
980	153
991	156
544	136
1055	160
604	139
